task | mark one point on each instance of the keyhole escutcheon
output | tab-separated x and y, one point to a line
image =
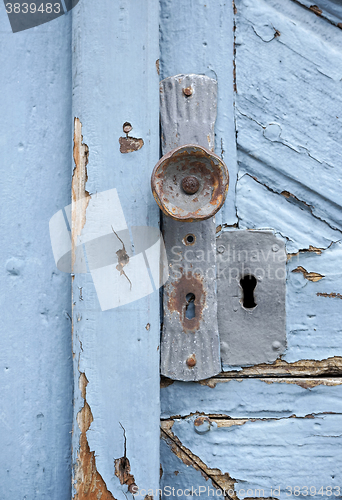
248	284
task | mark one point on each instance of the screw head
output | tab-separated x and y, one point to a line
187	91
190	184
191	361
220	249
224	347
202	425
275	248
276	345
127	127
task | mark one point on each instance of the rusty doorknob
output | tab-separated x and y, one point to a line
190	183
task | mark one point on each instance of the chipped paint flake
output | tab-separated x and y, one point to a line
80	196
331	295
221	481
311	276
130	144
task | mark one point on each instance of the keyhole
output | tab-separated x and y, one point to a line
248	283
190	306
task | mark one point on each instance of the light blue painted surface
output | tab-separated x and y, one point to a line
288	73
115	80
197	37
272	453
176	474
314	329
288	102
331	9
35	352
250	398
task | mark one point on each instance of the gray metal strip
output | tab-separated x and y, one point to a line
190	347
255	332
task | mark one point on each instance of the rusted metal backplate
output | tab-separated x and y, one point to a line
190	183
190	340
190	347
251	297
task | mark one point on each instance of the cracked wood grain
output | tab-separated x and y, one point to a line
221	481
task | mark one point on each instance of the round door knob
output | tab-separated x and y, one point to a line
190	183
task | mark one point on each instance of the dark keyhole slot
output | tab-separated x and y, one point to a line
248	283
190	306
190	238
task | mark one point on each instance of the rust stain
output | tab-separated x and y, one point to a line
339	25
331	295
130	144
201	420
309	276
158	66
88	483
220	481
177	302
316	9
80	196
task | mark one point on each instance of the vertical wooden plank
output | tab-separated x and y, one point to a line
197	37
116	357
35	352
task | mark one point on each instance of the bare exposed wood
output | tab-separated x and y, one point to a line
88	482
280	368
311	276
80	196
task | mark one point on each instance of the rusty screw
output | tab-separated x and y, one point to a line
187	91
133	488
190	184
127	127
191	361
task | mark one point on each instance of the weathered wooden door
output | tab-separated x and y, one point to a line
274	429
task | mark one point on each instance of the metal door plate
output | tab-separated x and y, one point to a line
253	332
190	346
